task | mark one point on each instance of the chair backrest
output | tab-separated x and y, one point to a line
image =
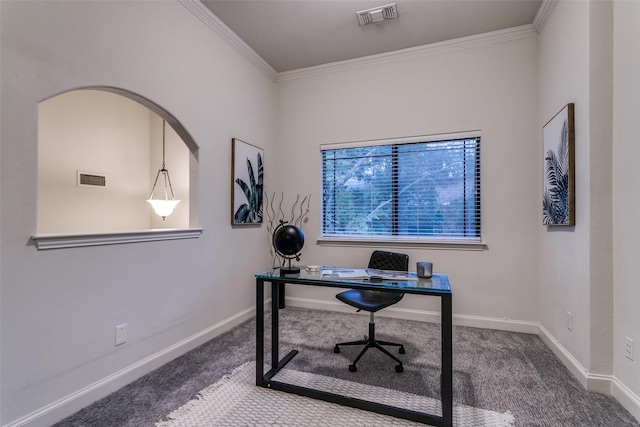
383	260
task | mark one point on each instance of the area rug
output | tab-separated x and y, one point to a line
235	400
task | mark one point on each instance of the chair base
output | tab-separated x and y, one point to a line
371	342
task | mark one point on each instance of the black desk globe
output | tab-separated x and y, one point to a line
288	241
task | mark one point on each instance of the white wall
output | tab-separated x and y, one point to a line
59	308
626	177
564	251
490	88
576	272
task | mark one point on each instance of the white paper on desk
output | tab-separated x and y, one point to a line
363	274
391	274
345	273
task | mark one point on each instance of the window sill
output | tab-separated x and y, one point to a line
59	241
402	243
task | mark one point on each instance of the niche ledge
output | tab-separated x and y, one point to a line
60	241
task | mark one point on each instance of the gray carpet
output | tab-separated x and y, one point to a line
493	370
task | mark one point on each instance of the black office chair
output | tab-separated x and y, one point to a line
372	301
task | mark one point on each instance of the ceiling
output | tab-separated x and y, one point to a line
294	34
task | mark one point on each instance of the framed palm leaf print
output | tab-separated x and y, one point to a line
558	198
247	176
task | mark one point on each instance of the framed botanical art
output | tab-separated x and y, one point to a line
246	183
558	198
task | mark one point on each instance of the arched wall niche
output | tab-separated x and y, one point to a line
116	134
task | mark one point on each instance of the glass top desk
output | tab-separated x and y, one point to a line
437	286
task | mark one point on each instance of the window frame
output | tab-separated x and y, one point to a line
428	242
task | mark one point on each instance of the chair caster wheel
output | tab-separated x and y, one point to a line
352	368
401	351
399	368
336	349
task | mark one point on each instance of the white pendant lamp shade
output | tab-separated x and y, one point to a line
163	207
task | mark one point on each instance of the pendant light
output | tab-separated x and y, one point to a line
163	207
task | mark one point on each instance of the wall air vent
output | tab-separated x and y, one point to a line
86	179
377	14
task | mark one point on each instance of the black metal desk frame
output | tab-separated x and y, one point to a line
277	295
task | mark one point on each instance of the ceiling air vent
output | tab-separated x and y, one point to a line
91	179
377	14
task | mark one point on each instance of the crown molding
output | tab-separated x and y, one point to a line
544	12
212	21
486	39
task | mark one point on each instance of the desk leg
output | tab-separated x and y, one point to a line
275	325
281	295
260	332
446	384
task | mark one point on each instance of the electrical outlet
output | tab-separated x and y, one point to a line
121	334
569	321
628	348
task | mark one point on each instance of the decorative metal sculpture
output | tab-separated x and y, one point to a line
286	236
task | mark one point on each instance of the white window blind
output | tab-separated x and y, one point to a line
427	190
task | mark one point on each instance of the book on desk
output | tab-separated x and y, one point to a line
366	274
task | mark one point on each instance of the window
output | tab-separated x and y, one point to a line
409	189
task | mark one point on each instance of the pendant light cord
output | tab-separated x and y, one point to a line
163	170
163	134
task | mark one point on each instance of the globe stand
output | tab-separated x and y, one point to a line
289	270
287	241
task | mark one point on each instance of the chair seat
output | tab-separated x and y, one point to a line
368	300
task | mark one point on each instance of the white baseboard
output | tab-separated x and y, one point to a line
605	384
599	383
421	315
567	359
628	399
73	402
